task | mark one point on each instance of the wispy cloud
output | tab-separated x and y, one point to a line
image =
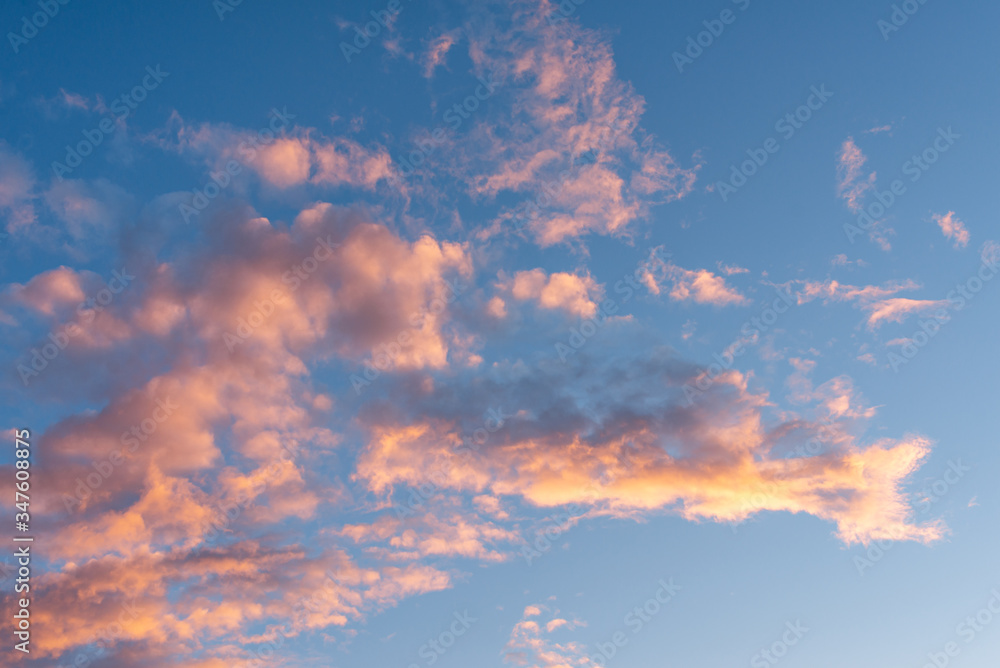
853	185
953	228
700	286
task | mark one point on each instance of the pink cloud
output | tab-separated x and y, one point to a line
55	289
879	301
294	157
573	150
530	643
438	49
17	185
899	309
74	100
284	163
571	293
953	228
853	185
700	286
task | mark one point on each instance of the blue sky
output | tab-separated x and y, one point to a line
332	328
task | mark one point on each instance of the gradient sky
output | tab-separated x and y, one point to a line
504	334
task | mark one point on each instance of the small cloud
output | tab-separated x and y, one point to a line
74	100
990	252
842	260
953	228
853	184
17	190
879	129
900	308
688	329
868	358
497	308
437	51
700	285
730	270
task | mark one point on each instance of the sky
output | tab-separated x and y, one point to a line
426	333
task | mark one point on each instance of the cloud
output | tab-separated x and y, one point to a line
568	144
607	454
853	185
899	309
867	358
51	291
288	157
497	308
438	49
17	185
700	286
530	644
841	260
879	301
575	294
89	208
447	531
212	483
731	270
77	101
138	487
953	228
